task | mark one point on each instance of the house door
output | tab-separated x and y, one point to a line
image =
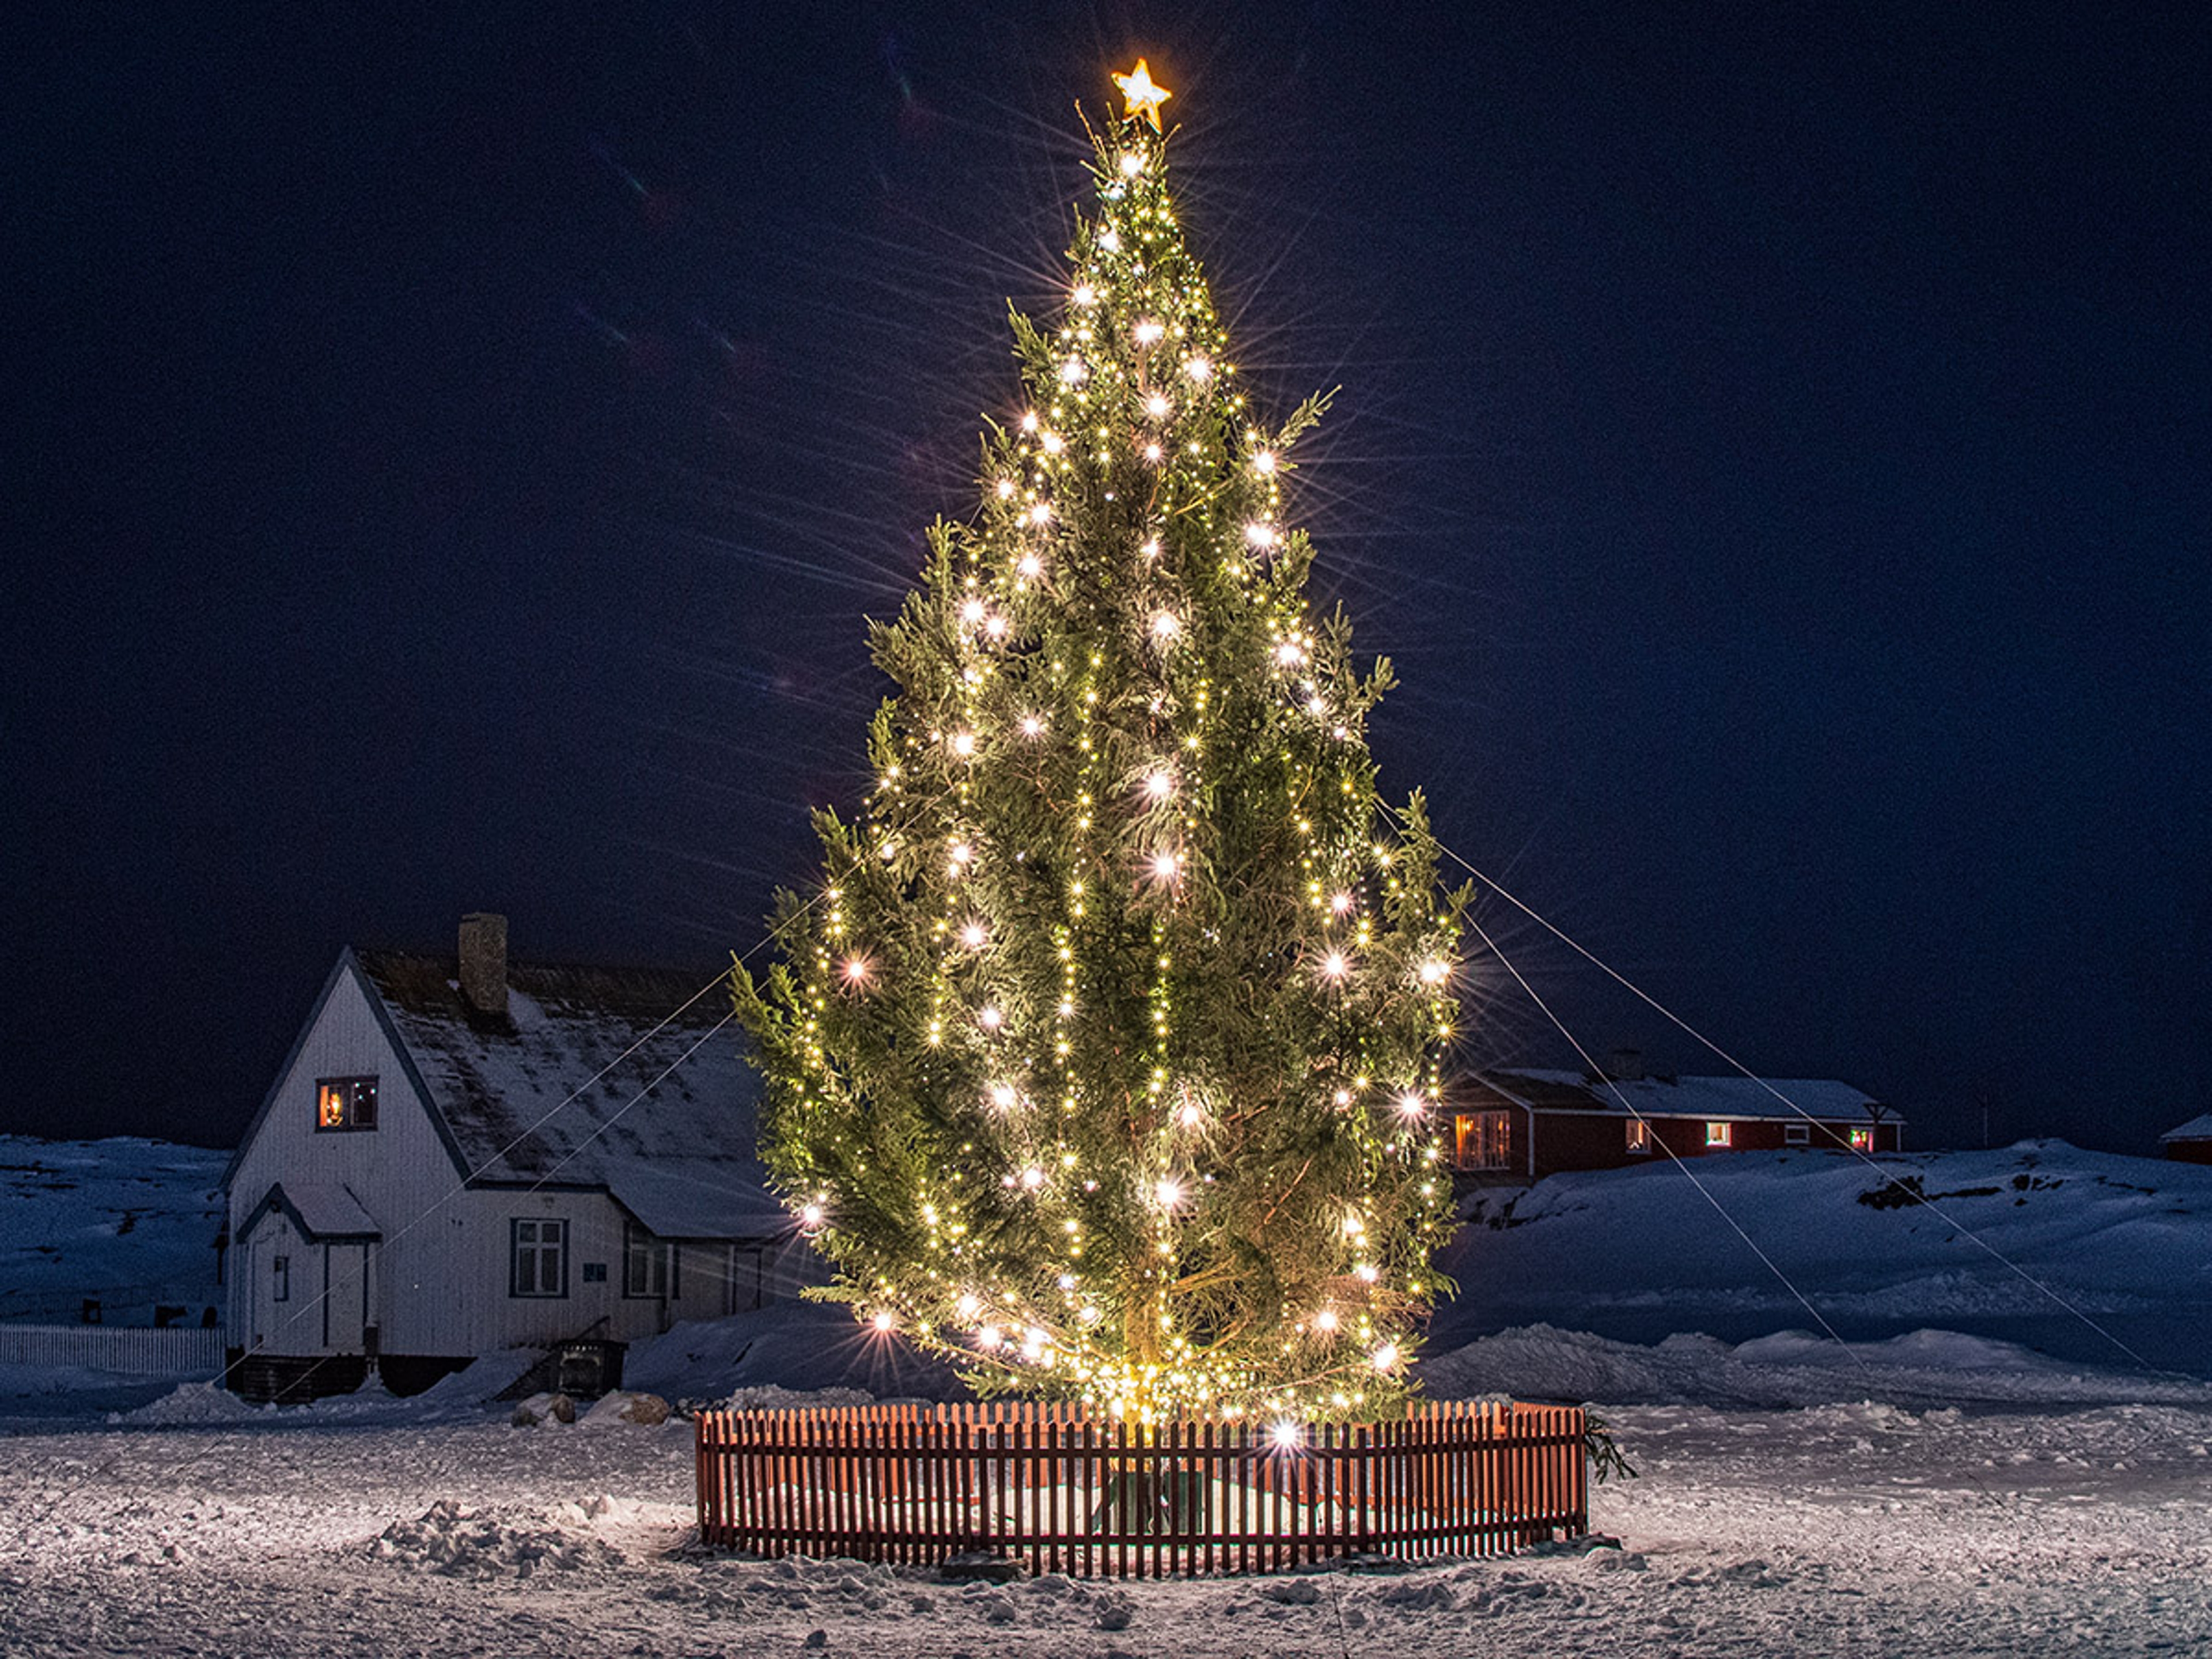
284	1278
345	1316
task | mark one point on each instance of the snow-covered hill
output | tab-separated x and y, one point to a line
129	1224
2039	1244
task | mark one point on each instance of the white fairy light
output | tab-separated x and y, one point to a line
1341	903
1160	785
1165	625
1434	972
995	626
1066	1281
989	1019
1344	1097
1169	1194
1385	1357
1157	406
1071	372
973	611
1054	443
1150	547
1264	462
1290	654
1029	420
961	852
1111	241
1003	1096
1315	706
968	1305
1006	488
964	743
1153	451
1031	726
1260	534
1032	1178
1085	294
975	935
1411	1105
1286	1436
1199	369
1131	164
811	1215
1326	1320
989	1337
1165	866
1335	965
1029	565
884	1323
856	970
1148	332
1365	1273
1191	1116
1041	514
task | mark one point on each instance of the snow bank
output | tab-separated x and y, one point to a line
1789	1368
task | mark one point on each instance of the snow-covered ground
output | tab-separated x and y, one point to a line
1943	1482
1839	1528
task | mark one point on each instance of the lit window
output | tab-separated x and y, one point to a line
648	1264
1796	1134
539	1259
1719	1134
345	1102
1481	1140
280	1284
1639	1137
1862	1140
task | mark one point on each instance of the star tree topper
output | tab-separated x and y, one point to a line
1143	94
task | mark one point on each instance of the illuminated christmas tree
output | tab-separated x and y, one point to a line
1104	1060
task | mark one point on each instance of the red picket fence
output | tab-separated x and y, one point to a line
1072	1494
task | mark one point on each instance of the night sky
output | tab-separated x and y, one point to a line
450	455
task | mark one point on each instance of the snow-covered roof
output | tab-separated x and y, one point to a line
1712	1099
2197	1128
327	1210
668	1129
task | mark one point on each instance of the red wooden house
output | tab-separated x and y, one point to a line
1524	1124
2189	1144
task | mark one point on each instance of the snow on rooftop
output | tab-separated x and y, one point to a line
2197	1128
1710	1097
629	1079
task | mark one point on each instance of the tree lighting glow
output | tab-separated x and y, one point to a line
1100	1062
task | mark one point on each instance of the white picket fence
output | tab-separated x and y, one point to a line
132	1350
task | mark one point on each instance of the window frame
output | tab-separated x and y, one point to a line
538	1246
1478	1137
1797	1135
1860	1139
280	1275
1639	1137
643	1247
1719	1132
350	1120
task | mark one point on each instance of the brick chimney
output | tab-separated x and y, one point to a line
483	962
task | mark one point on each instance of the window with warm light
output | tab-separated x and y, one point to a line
1639	1137
1720	1134
345	1102
1481	1140
1862	1140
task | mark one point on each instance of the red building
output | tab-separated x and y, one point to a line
1524	1124
2192	1143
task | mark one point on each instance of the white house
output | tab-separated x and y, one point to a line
465	1155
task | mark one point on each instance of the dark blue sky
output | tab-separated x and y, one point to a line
451	453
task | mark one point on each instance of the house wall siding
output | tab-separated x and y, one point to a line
1573	1140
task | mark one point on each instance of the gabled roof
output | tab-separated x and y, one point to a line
1712	1099
668	1129
2197	1128
320	1210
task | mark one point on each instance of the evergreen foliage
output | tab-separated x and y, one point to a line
1104	1060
